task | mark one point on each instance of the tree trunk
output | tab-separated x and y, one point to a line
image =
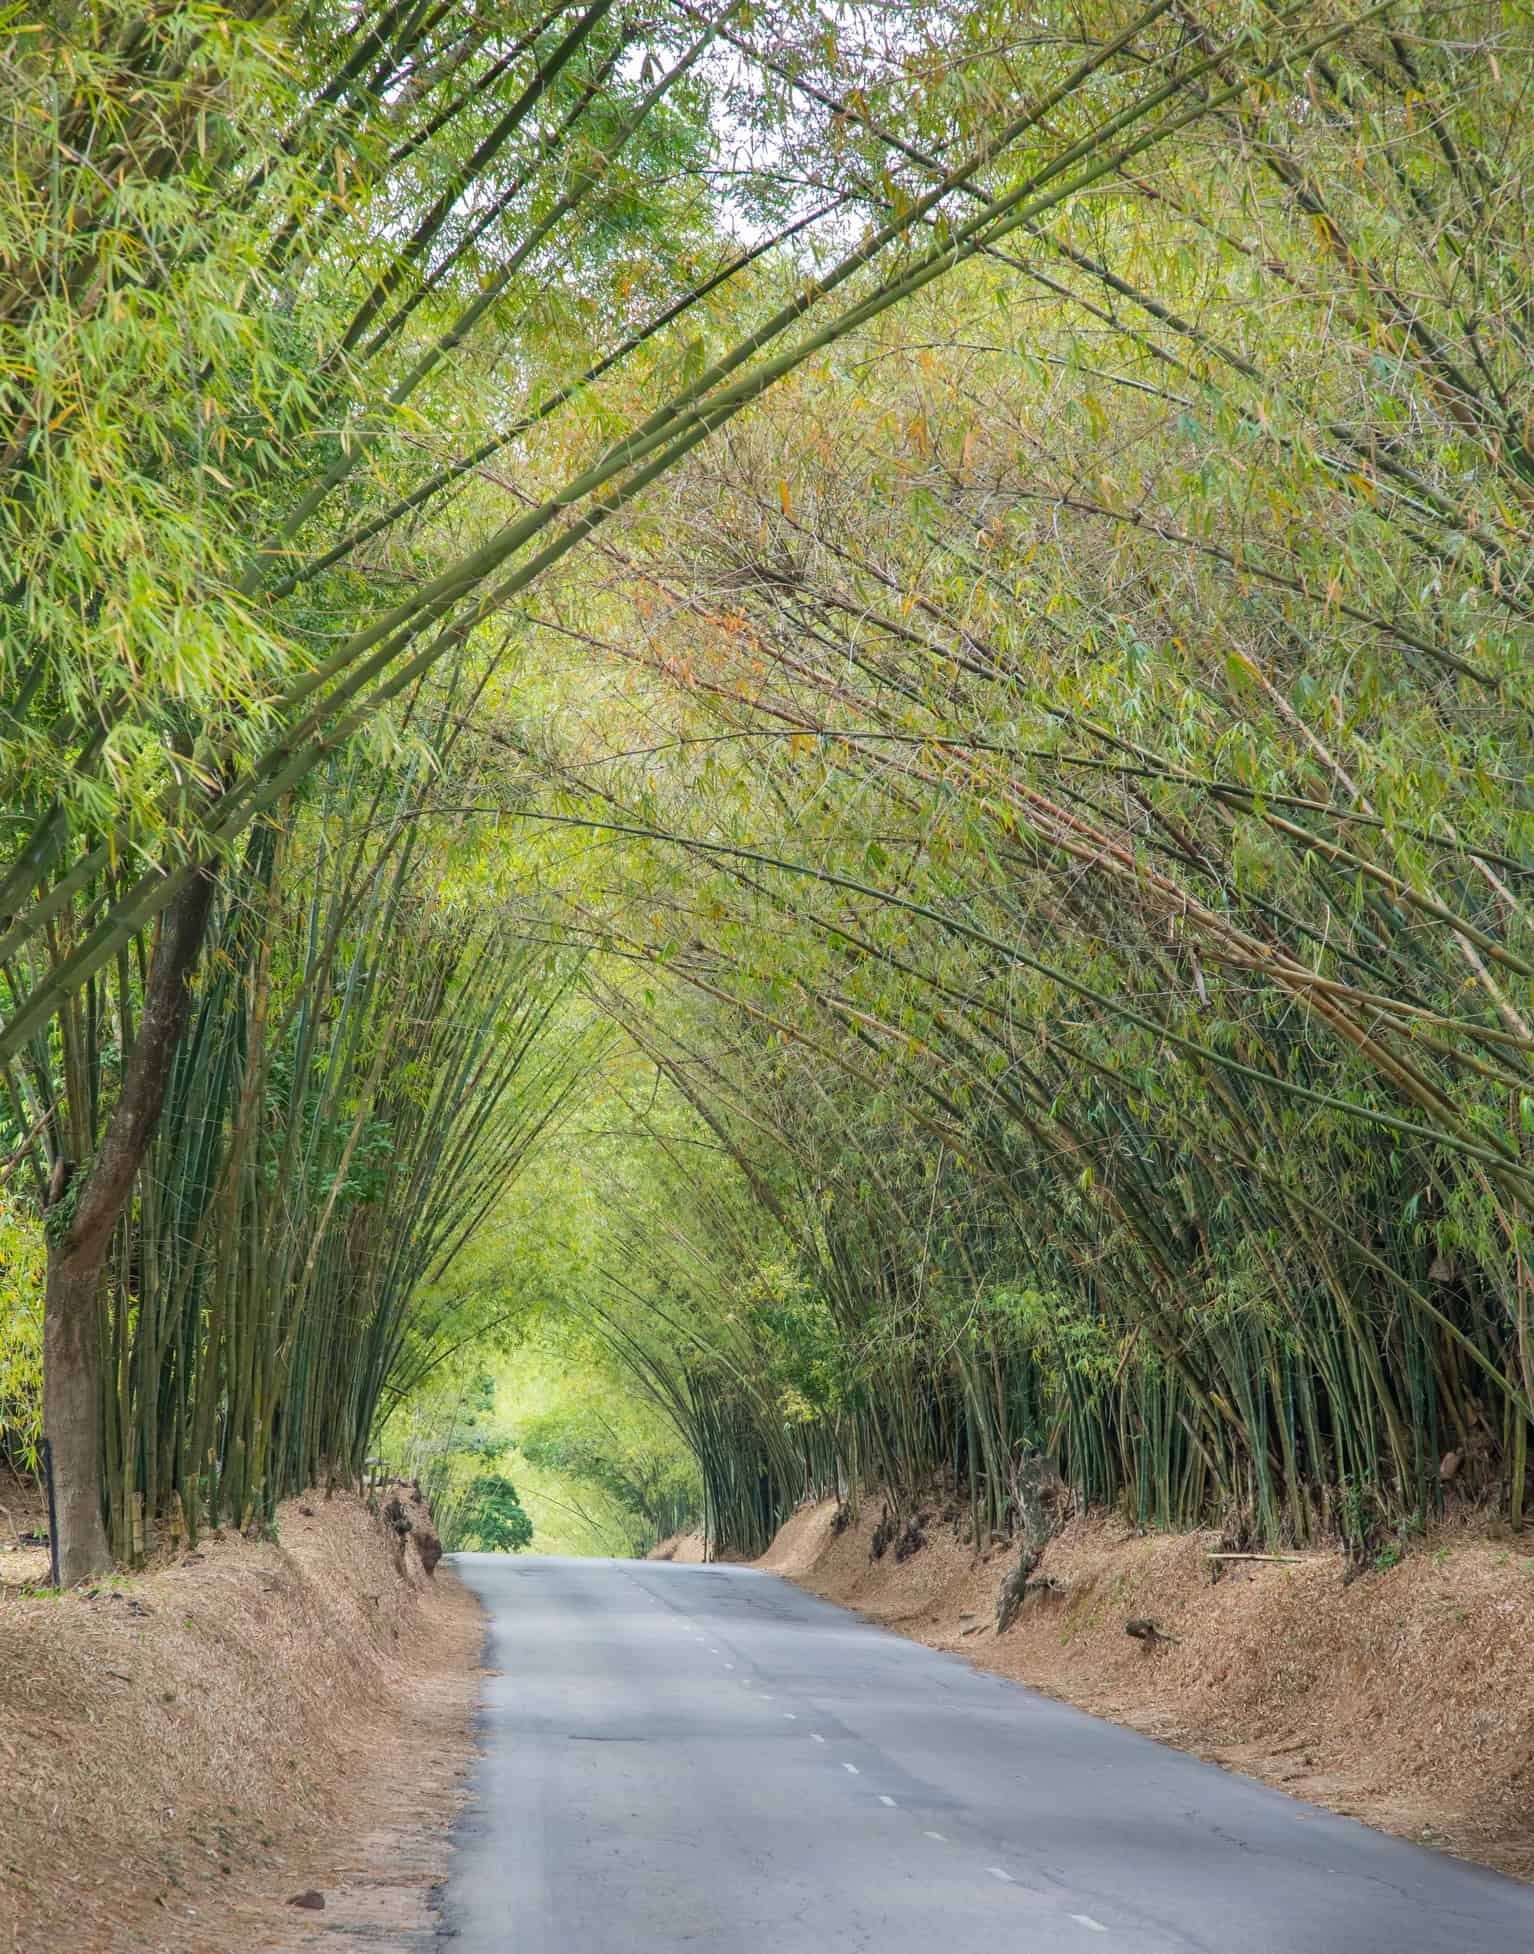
72	1418
77	1252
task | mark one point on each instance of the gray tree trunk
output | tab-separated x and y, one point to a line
72	1418
77	1251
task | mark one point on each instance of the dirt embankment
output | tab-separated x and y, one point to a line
187	1751
1405	1698
687	1547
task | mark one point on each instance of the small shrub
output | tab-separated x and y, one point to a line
23	1264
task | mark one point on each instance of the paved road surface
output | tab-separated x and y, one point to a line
707	1759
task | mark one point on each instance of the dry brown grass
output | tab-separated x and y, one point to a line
686	1547
186	1749
1405	1699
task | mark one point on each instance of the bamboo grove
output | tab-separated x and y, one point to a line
1072	818
368	1055
939	609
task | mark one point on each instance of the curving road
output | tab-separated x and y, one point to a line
708	1759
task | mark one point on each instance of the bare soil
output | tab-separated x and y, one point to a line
1404	1698
187	1750
687	1547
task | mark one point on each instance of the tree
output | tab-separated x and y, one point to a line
490	1517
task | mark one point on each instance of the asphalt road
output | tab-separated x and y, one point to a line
705	1758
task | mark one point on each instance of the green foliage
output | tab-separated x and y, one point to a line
646	1473
1065	862
22	1270
489	1519
250	344
989	910
599	1470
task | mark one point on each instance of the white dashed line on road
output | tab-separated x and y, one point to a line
1086	1920
885	1801
790	1716
817	1736
852	1768
997	1872
935	1835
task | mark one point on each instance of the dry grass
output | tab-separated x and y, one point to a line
186	1749
1405	1699
688	1547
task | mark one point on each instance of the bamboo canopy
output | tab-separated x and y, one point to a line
939	611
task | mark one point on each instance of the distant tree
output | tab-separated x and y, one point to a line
492	1518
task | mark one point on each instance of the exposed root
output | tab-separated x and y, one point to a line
1042	1499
